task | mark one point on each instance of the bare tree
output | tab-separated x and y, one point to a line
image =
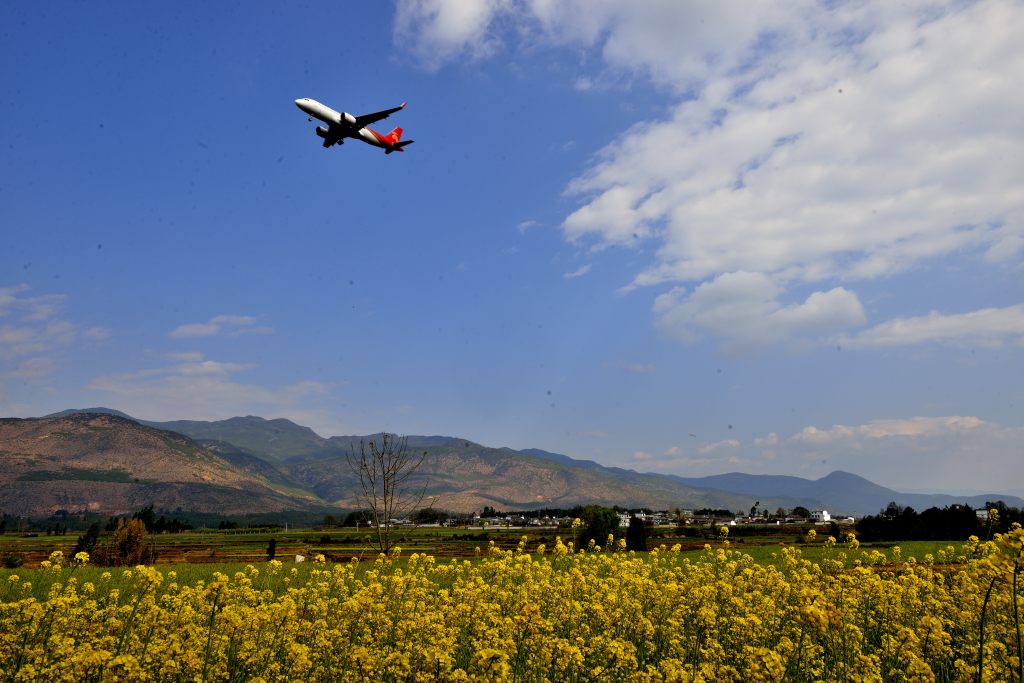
384	471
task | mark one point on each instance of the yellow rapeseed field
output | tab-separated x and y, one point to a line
533	614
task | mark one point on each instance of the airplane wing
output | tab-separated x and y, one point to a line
367	119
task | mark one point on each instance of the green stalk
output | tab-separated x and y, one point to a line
128	623
21	652
209	635
1016	621
981	632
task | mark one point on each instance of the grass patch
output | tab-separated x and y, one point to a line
184	448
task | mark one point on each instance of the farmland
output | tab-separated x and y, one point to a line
508	609
242	546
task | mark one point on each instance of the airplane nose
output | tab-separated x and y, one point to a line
298	103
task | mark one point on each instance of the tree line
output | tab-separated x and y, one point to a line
952	523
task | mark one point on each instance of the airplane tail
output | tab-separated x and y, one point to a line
393	140
397	147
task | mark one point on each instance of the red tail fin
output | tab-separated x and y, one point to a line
394	136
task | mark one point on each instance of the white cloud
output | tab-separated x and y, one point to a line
583	84
524	226
985	327
9	297
195	387
579	272
854	167
32	326
638	368
436	31
672	42
906	454
1008	247
811	144
96	333
186	356
226	325
710	458
44	307
916	453
718	446
34	334
793	173
20	340
743	308
860	184
305	388
210	367
883	429
34	368
30	308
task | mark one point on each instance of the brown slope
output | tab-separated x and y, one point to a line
112	465
461	476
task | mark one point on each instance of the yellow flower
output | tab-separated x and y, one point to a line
682	616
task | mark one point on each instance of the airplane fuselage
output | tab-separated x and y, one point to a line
341	125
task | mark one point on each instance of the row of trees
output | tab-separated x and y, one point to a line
60	523
154	524
953	522
780	513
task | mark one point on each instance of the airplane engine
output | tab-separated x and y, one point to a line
348	118
321	131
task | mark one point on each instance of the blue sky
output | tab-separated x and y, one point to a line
689	238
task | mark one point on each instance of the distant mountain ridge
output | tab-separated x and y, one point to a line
273	440
462	476
105	463
97	411
840	491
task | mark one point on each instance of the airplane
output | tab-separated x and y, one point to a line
341	125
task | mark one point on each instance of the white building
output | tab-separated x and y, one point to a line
820	516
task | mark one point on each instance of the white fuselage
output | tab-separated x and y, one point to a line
341	123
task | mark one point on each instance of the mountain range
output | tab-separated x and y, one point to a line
105	461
